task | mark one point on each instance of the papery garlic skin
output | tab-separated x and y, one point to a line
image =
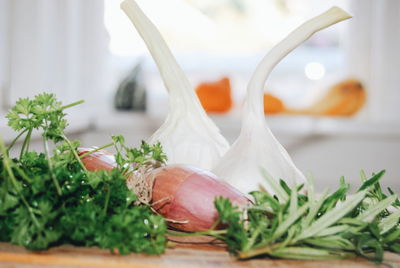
256	147
187	139
188	135
241	165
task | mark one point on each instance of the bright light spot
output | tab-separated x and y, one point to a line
314	70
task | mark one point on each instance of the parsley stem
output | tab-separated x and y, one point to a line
107	200
118	158
7	164
22	173
51	169
15	140
72	104
28	143
74	152
25	145
95	150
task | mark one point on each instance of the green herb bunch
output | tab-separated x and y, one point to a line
144	155
294	225
51	199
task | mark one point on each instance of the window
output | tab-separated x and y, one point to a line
229	37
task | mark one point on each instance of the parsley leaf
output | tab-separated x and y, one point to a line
49	198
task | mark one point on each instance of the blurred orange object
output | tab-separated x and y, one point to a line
342	99
215	96
272	104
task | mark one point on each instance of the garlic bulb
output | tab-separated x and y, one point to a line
256	147
188	135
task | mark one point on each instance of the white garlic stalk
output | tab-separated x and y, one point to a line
256	147
188	135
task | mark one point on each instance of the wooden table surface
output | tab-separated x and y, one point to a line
182	255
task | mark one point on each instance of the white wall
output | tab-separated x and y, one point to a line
53	46
372	54
4	48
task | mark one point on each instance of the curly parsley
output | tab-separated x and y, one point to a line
49	199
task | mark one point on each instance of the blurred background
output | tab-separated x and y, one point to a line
333	102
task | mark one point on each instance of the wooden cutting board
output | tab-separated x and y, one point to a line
189	254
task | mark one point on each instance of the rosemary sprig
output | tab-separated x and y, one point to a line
294	225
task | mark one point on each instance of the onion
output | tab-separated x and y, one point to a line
99	160
186	195
182	194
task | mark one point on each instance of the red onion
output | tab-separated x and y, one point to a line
99	160
183	194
